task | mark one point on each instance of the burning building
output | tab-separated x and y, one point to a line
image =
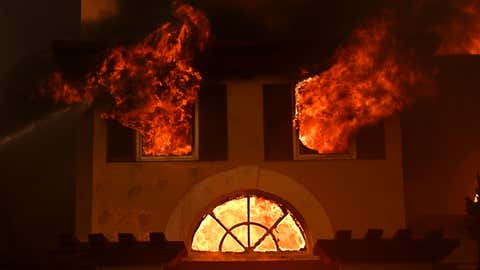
193	150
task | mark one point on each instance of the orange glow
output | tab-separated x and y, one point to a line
260	206
267	224
64	92
152	85
267	245
256	232
241	233
208	235
289	235
231	245
461	35
97	10
367	83
232	212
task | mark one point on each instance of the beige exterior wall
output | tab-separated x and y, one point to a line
347	194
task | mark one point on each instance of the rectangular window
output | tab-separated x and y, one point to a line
301	152
193	137
281	142
208	138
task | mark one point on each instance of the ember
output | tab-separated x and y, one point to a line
368	82
153	85
248	224
461	34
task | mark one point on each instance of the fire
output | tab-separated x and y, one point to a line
64	92
368	82
232	212
461	35
208	235
152	85
260	206
288	234
249	224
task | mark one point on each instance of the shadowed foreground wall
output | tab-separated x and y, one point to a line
39	173
441	147
37	184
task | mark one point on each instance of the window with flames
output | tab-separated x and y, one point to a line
178	141
250	223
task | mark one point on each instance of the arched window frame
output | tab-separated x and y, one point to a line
249	253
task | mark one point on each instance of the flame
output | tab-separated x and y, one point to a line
259	206
152	84
231	245
461	35
208	235
267	245
64	92
230	221
367	83
232	212
289	235
257	232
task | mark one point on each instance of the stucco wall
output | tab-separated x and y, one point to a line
348	194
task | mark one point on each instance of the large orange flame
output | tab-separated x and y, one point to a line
368	82
152	84
461	34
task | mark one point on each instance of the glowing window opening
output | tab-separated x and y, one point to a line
303	152
250	223
194	140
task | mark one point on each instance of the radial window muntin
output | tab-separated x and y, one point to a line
280	232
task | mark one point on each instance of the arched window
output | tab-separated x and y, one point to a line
250	223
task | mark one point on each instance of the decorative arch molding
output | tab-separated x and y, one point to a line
191	207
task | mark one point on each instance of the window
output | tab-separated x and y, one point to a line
281	140
250	223
302	152
178	142
208	133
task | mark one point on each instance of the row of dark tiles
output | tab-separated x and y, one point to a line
99	239
404	234
158	238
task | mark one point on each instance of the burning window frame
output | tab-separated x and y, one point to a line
287	210
140	156
302	152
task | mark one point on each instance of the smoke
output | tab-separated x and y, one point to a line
460	32
129	21
94	11
455	23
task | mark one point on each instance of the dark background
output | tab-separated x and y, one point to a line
441	146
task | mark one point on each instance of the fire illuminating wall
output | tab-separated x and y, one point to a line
141	197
